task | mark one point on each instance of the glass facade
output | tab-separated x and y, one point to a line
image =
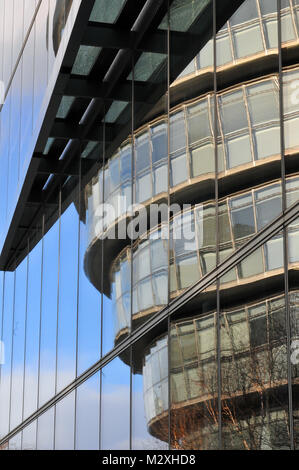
32	33
156	303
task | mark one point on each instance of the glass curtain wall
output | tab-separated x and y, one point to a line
31	33
257	377
217	371
192	153
290	149
255	353
150	177
293	338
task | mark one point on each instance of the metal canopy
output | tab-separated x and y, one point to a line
118	45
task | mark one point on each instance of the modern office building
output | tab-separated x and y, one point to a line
149	231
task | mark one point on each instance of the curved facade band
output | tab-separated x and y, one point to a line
249	136
252	31
193	251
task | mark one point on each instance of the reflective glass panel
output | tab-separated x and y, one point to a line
115	405
88	414
253	353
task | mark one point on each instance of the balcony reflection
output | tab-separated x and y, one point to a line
253	365
249	136
251	32
193	252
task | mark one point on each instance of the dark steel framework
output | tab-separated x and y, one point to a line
134	32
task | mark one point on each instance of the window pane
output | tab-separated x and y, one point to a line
179	171
203	161
268	6
223	50
115	411
274	254
247	12
29	437
254	354
88	414
7	325
17	378
233	112
64	423
155	373
32	331
146	433
267	142
242	216
15	443
248	41
89	325
268	205
177	132
193	375
159	142
45	431
67	305
142	153
49	315
198	122
252	265
263	102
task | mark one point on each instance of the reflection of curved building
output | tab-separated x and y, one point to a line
193	251
175	323
252	193
253	344
248	148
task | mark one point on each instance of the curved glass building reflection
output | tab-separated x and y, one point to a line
175	159
249	136
149	229
253	345
193	252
